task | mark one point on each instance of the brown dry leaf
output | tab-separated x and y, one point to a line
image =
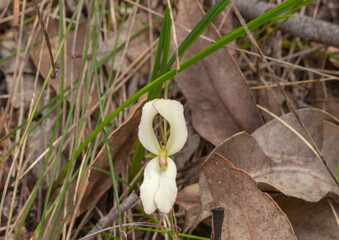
136	45
277	159
189	196
249	213
197	214
53	28
216	90
311	221
330	146
304	169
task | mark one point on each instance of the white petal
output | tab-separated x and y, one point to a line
173	112
146	133
167	191
150	185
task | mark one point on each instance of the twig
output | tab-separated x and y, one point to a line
16	10
106	221
134	224
49	47
294	83
301	26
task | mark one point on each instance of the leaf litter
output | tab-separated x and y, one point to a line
269	154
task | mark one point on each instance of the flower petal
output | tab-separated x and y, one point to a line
173	112
146	133
167	191
150	185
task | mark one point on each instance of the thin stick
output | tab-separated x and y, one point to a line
333	211
41	20
294	83
107	220
16	11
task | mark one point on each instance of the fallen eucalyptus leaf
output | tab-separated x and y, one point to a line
215	88
311	221
189	196
249	213
278	160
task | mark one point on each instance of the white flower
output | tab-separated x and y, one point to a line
159	189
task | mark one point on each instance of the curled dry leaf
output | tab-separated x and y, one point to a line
276	158
249	213
289	151
225	106
189	196
311	221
